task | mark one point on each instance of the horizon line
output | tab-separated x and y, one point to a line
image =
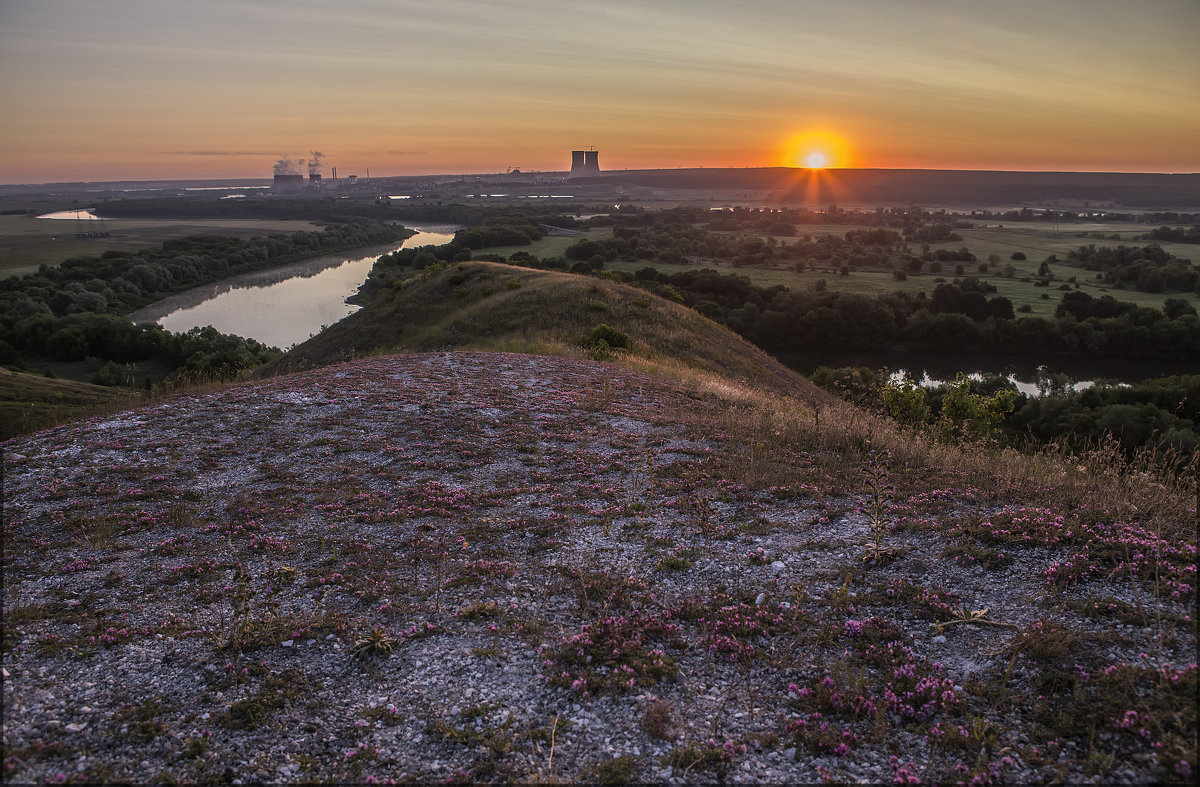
608	172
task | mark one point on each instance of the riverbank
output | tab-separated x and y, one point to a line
263	278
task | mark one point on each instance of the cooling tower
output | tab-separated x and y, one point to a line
577	163
585	163
288	182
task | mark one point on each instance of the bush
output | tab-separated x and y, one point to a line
611	336
973	416
109	374
905	403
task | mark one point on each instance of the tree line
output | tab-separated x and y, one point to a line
1158	414
79	309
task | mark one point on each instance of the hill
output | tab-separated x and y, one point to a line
30	401
491	566
492	306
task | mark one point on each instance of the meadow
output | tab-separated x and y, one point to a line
1037	240
27	242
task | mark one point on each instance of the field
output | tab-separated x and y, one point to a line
27	242
551	245
1037	240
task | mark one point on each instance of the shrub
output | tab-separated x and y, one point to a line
109	374
906	403
974	416
611	336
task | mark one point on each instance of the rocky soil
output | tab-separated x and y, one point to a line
478	567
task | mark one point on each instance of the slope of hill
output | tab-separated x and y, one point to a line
454	566
31	401
491	306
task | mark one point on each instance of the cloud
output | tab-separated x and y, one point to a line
271	153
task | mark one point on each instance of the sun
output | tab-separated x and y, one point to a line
816	148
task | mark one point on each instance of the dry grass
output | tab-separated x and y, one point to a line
472	307
1159	491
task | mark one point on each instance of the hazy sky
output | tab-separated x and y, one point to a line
136	89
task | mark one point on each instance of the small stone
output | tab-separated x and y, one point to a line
778	566
287	643
940	639
73	727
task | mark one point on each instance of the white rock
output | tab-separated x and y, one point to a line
287	643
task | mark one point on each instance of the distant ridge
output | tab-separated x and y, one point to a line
958	188
917	186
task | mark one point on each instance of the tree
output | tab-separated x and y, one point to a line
1175	308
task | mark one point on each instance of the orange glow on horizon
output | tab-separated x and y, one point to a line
815	149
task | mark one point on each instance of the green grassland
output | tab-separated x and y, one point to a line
551	245
27	242
1036	240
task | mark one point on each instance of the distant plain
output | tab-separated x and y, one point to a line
27	242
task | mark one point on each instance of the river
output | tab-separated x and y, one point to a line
1031	376
281	306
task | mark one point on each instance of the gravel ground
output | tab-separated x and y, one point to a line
488	567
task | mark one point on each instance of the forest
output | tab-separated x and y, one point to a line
77	310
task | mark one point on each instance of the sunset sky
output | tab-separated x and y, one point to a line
145	89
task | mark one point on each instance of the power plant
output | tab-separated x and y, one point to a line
289	173
584	164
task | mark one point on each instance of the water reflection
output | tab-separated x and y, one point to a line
281	306
85	213
1052	375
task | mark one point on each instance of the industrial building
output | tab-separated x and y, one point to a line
585	164
288	182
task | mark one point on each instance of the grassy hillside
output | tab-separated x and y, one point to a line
29	402
492	567
490	306
503	568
